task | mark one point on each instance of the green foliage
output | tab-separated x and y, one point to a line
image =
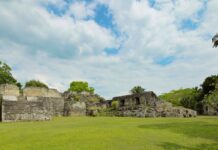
137	90
182	97
76	97
80	86
35	83
114	104
6	76
212	98
209	84
93	99
189	101
195	98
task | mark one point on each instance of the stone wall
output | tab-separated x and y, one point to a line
74	108
9	90
24	110
42	108
80	103
34	104
40	92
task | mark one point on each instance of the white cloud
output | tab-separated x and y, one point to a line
82	10
59	49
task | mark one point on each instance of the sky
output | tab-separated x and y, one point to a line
114	45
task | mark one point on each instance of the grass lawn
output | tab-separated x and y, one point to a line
106	133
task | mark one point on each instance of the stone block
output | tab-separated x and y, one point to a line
9	89
9	98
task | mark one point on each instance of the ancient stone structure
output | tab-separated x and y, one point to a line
40	92
35	103
147	104
81	103
210	110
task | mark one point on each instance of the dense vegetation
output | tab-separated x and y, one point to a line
80	86
6	76
137	90
35	83
194	98
111	133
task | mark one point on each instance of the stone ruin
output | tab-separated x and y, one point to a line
147	104
35	103
32	104
210	110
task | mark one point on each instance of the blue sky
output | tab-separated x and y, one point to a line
114	45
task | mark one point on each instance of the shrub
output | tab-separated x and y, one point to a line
35	83
137	90
115	104
80	86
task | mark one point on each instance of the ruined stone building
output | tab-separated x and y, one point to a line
34	103
210	110
147	104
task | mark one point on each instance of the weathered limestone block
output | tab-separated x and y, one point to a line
40	92
9	90
53	93
24	110
9	98
74	108
41	108
182	112
35	91
81	103
32	98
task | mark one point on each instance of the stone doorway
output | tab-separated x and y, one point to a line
137	101
122	102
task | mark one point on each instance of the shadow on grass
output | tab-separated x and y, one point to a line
191	129
173	146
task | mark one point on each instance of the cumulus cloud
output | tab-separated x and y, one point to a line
57	49
82	10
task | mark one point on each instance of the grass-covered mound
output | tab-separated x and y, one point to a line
107	133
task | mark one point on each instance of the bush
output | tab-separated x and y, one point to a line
212	98
115	104
80	86
137	90
35	83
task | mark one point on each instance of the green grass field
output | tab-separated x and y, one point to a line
107	133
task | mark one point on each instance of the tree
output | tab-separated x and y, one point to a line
212	99
35	83
209	84
190	101
183	97
80	86
6	76
137	90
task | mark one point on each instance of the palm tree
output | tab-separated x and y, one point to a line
215	40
